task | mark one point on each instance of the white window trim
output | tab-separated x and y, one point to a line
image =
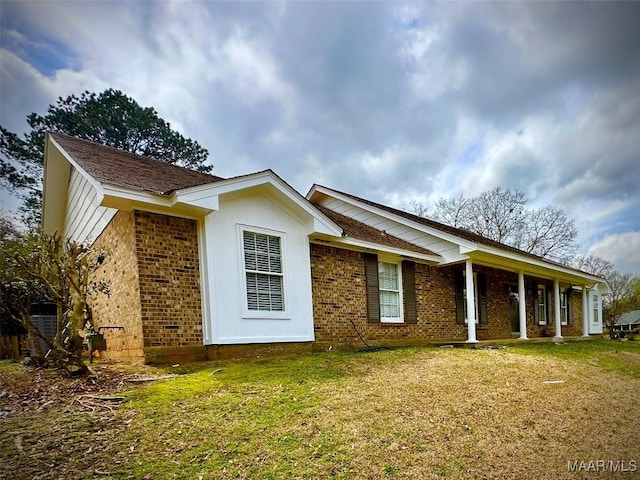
544	302
398	265
475	297
595	307
564	312
264	314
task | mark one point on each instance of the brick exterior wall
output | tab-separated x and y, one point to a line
339	298
169	275
574	326
153	270
122	307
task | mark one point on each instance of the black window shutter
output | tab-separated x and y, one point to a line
373	290
534	289
569	309
482	301
409	291
549	309
459	292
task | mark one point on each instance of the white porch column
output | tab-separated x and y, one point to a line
522	307
471	306
556	310
585	313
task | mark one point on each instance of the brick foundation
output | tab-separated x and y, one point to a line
253	350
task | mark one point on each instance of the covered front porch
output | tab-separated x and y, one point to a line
506	298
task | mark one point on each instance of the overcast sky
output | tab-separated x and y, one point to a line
389	101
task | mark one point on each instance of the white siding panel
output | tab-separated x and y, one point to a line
228	321
85	218
448	250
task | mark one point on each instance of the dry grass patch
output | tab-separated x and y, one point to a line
409	413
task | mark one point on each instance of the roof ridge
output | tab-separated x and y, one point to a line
119	151
463	233
113	166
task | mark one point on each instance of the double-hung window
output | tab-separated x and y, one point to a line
389	285
541	305
264	272
595	314
564	311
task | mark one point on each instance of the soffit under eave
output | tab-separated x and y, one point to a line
532	270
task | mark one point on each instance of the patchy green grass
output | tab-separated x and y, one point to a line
618	356
409	413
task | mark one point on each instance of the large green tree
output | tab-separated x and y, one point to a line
110	118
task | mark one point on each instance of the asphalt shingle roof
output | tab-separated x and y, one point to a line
358	230
629	318
458	232
123	169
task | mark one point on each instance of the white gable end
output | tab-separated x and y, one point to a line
449	251
85	218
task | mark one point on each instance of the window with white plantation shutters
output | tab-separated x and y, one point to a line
263	270
389	285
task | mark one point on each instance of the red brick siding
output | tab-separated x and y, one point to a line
168	264
339	298
122	307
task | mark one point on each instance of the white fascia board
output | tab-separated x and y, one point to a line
400	252
392	216
202	198
111	191
56	184
465	249
92	181
540	264
201	194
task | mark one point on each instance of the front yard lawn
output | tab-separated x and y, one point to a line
527	411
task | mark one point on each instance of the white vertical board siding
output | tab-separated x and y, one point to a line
84	218
448	250
226	300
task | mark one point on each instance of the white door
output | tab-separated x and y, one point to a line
595	312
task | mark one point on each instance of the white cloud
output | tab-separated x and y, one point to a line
387	101
622	249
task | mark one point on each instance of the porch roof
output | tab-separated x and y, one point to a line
478	249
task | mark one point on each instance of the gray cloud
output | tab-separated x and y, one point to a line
386	100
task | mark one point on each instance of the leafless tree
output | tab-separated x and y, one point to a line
621	287
502	215
593	264
62	269
452	211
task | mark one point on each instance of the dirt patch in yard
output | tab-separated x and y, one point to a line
410	414
25	390
482	414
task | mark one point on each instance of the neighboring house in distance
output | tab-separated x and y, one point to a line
629	321
204	267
